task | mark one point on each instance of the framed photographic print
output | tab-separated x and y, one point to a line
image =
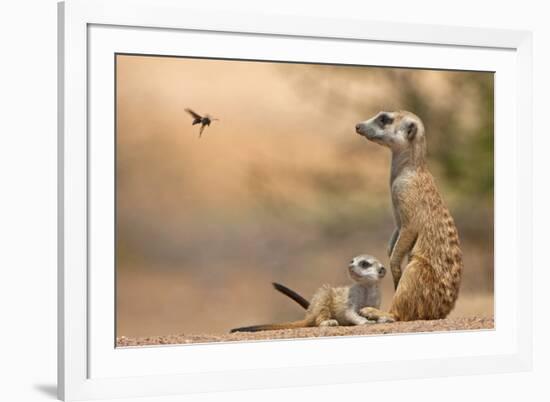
246	196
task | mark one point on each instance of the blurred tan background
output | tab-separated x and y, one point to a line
281	188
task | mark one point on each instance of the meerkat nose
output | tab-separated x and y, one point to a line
382	271
357	126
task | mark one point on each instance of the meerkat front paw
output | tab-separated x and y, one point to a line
329	323
376	315
370	313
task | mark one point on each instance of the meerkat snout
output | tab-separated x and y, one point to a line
366	129
361	128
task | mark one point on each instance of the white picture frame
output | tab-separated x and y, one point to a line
91	32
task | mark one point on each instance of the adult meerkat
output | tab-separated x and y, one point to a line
426	233
331	306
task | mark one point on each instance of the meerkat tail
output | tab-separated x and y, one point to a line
292	294
271	327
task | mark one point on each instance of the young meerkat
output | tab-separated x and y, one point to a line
332	306
425	233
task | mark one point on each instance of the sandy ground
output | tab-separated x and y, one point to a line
449	324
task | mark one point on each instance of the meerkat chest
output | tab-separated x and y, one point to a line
398	188
402	189
401	184
361	296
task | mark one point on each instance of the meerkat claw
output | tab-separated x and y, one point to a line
329	323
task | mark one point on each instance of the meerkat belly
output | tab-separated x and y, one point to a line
438	244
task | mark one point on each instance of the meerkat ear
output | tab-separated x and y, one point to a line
411	131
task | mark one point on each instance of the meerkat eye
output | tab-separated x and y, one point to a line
364	264
384	120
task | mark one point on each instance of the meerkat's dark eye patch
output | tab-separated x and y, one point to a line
383	120
364	264
411	130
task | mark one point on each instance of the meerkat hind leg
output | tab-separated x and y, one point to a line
324	319
374	314
319	312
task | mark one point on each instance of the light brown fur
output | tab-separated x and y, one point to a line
426	233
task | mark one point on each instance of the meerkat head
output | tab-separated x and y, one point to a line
398	131
366	269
